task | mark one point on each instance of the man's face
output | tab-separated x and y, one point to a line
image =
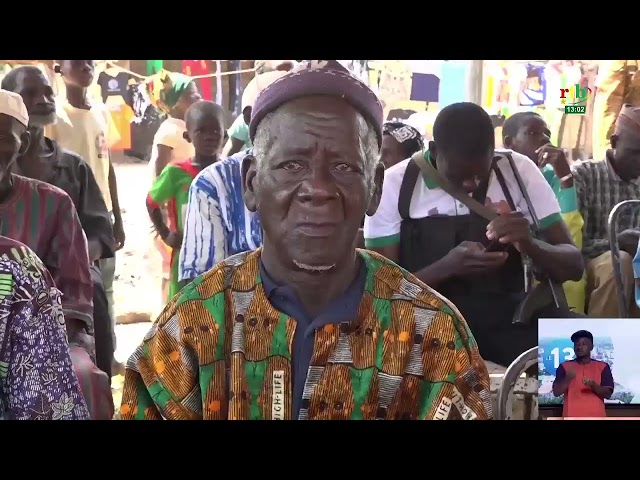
532	135
14	140
246	114
582	347
466	172
37	94
627	155
78	73
310	189
391	151
206	132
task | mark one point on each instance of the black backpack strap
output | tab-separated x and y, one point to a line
407	187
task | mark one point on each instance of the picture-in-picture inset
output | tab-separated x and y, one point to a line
589	367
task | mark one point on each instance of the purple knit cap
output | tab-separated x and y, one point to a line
319	77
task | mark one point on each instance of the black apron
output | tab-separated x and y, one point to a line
488	301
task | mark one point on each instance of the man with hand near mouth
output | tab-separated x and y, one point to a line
584	382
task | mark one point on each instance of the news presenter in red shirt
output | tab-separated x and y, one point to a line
584	382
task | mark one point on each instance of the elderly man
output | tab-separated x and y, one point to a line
618	83
47	161
600	186
308	327
43	218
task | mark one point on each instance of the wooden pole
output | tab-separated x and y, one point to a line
474	82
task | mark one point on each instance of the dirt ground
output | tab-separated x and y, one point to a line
138	274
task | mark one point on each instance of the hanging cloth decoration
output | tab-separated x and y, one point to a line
154	66
164	89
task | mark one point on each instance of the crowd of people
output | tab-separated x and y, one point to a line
319	263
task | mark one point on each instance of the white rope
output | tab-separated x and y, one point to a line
208	75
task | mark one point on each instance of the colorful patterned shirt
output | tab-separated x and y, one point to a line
600	189
217	223
220	350
37	380
43	217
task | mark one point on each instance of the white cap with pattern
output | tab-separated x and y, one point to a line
11	104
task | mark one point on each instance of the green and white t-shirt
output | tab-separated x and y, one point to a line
240	131
383	228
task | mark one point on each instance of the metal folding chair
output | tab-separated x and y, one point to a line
623	301
512	382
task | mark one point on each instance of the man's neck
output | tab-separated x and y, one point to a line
7	185
202	161
77	97
34	163
583	360
178	115
315	290
37	144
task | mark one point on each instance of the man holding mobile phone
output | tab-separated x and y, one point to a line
434	235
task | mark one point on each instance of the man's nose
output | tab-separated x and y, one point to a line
319	185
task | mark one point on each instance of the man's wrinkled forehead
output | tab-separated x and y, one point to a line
312	120
9	125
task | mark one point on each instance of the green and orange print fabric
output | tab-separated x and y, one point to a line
221	351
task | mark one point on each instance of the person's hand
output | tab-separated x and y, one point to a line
511	228
548	154
118	234
469	258
173	240
628	241
571	374
589	382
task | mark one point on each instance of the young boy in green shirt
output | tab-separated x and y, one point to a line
205	130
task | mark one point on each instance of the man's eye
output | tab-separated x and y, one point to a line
291	166
344	167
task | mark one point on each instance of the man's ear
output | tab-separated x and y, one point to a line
433	151
25	141
614	141
249	170
507	141
186	136
378	180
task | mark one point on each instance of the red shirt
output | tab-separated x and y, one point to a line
580	400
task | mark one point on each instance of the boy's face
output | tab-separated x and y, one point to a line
207	135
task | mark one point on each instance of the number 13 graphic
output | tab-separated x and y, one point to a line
568	353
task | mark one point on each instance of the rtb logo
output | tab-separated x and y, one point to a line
575	95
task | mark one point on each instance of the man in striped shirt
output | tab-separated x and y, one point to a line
44	218
600	186
217	224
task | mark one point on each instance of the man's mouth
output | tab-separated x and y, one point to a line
43	111
317	230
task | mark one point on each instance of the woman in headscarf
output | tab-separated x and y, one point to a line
173	93
399	142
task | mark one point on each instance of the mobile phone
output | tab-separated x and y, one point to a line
496	246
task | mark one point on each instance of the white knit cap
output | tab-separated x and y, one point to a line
11	104
259	83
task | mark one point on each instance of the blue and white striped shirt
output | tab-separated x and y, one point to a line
217	223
